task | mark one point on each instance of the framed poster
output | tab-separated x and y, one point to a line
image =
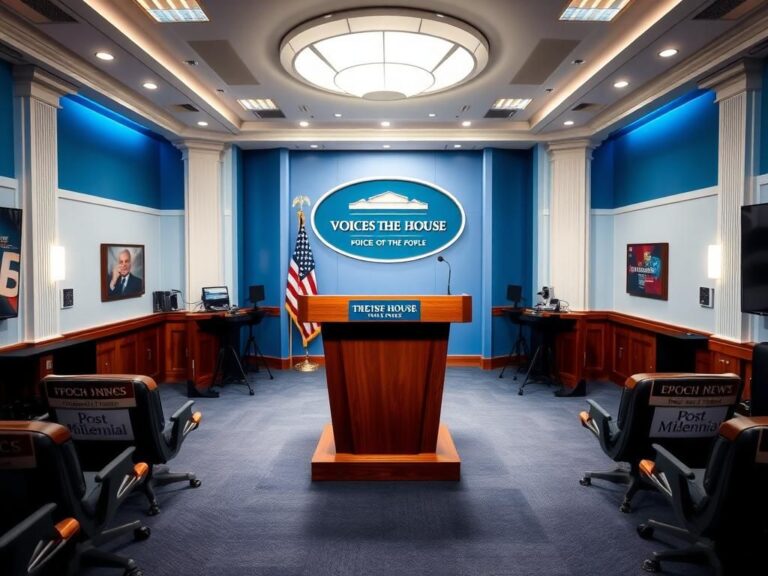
10	261
648	270
122	271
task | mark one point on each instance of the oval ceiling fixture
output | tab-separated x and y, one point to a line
384	53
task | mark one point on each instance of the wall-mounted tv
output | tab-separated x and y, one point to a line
10	261
754	259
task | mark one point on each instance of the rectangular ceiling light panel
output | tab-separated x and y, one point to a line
593	10
258	104
166	11
511	104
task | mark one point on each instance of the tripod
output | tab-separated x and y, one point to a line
256	317
227	353
520	347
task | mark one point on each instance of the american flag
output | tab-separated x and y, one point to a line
301	281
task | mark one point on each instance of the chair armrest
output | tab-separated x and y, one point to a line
38	539
597	421
116	480
672	477
182	423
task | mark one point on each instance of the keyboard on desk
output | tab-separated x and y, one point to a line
218	309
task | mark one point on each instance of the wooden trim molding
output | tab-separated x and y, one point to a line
741	350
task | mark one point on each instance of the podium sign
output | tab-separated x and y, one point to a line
385	385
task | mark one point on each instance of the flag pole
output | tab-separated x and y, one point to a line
306	365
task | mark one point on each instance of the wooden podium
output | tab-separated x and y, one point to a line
385	368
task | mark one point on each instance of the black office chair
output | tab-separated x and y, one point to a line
132	404
519	349
42	467
682	412
758	403
256	295
723	508
37	545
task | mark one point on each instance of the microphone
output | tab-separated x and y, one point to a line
441	259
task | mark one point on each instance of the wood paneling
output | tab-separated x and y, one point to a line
175	351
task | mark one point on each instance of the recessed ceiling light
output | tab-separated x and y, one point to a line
577	61
337	115
303	123
106	56
258	104
384	54
165	11
568	123
202	123
191	62
668	52
598	11
386	124
511	104
385	146
457	145
620	84
466	123
548	89
432	114
150	85
313	145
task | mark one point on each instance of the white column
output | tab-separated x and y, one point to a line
203	215
569	221
737	92
37	95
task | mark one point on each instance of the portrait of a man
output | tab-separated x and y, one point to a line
122	271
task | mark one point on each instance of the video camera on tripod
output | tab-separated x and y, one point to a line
547	300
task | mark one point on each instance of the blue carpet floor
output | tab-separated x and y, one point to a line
518	510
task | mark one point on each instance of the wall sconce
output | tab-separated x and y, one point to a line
58	263
714	261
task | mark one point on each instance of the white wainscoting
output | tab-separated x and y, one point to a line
10	329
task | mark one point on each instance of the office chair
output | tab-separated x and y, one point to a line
36	545
256	295
758	403
722	508
41	467
519	348
130	402
681	412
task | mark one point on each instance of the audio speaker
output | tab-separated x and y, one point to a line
256	293
514	292
174	301
707	297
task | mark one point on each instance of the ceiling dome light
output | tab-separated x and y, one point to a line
202	123
106	56
620	84
568	123
668	53
384	53
150	85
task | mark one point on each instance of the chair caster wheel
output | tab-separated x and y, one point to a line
154	510
142	533
645	532
250	392
195	483
134	572
625	507
651	565
520	392
586	481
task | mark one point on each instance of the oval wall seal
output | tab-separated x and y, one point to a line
388	220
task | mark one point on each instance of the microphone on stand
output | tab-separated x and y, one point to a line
441	259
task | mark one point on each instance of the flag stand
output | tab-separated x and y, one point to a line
306	365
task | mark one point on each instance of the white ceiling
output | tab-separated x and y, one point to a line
626	48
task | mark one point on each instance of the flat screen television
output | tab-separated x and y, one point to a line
10	261
754	259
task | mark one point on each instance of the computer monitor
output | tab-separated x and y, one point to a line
215	298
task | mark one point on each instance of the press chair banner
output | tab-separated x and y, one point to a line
94	410
690	409
17	452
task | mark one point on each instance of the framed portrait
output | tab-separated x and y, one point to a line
122	271
648	270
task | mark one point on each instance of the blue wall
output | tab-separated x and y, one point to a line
273	177
654	158
602	176
6	121
102	156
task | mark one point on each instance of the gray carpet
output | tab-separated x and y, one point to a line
518	509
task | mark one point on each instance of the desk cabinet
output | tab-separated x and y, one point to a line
175	347
148	353
117	355
633	352
595	346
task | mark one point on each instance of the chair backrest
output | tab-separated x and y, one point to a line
681	412
107	413
38	465
736	483
758	405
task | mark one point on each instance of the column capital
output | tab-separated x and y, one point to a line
575	145
188	145
743	76
36	83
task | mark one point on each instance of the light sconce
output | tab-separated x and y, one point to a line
58	263
714	261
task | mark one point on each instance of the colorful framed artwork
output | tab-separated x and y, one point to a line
648	270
